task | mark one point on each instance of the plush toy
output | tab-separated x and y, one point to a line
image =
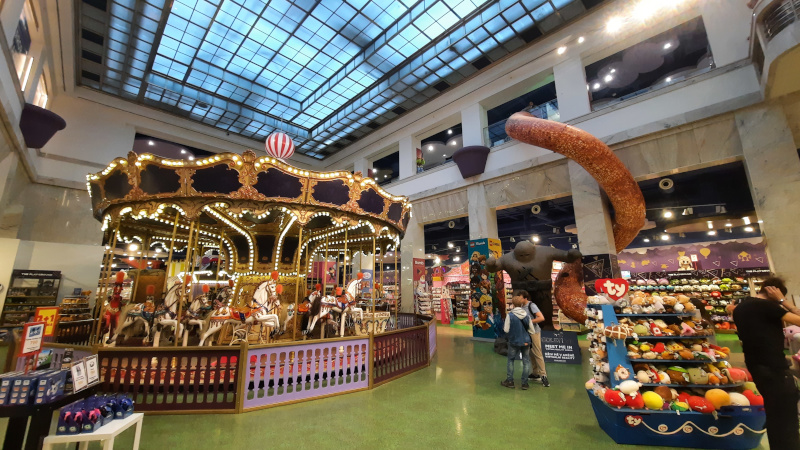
679	406
678	375
641	330
718	398
698	375
655	330
700	404
652	400
614	398
751	386
664	392
621	373
685	354
628	387
738	399
663	377
589	384
736	375
634	401
643	376
649	355
753	398
659	347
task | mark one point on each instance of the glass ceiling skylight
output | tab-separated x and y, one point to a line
327	72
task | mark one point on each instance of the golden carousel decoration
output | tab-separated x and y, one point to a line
266	224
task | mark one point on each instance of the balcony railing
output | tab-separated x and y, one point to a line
495	134
779	16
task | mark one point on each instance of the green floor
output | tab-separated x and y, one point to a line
457	402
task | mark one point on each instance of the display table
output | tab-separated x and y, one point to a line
106	434
40	415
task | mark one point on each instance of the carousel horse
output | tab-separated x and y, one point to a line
344	305
264	308
196	314
260	310
289	315
167	313
139	313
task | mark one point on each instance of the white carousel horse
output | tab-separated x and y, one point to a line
263	309
289	315
219	317
135	314
345	306
195	315
167	313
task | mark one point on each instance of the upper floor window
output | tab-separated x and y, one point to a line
541	102
438	148
660	61
21	46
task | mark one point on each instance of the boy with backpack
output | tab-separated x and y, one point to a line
537	358
518	327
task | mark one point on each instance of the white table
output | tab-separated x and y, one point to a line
106	433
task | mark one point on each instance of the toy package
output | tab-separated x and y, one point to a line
88	415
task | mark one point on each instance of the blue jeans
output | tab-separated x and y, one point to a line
513	352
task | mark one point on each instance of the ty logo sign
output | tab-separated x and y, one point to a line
616	288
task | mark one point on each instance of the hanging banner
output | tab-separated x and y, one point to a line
484	304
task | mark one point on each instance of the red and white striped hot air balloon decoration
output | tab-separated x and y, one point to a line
279	145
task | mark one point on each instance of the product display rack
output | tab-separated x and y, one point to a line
74	308
422	298
459	294
731	427
28	290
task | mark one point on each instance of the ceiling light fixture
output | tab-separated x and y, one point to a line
133	247
746	220
449	131
710	225
386	176
646	240
561	50
613	70
760	221
581	40
614	24
712	233
191	158
130	258
535	238
667	46
596	86
728	225
608	78
669	79
430	148
183	151
664	237
749	229
151	143
457	259
450	245
437	260
687	211
667	214
158	249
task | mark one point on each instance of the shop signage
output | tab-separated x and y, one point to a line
561	347
32	335
49	274
48	315
616	288
419	269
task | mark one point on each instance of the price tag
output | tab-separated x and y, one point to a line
92	373
48	315
32	335
79	380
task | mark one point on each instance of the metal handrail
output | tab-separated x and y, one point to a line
779	16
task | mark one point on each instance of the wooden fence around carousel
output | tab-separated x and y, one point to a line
194	380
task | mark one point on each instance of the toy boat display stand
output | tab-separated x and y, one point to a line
658	380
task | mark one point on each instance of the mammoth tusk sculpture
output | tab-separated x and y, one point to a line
609	172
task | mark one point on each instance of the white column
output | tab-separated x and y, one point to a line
728	28
361	165
473	122
36	72
412	246
482	219
772	165
573	98
10	10
408	157
592	214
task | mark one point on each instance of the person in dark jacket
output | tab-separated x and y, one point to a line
759	321
517	327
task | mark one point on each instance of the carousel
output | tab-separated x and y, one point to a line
256	251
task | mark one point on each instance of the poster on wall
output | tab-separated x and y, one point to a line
734	254
367	279
327	270
484	302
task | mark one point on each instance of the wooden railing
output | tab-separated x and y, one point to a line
180	380
76	332
175	380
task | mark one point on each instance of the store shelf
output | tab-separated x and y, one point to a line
667	338
676	361
711	386
656	315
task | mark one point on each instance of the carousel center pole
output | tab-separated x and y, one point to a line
374	292
171	248
189	269
325	269
396	290
297	282
145	245
99	300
